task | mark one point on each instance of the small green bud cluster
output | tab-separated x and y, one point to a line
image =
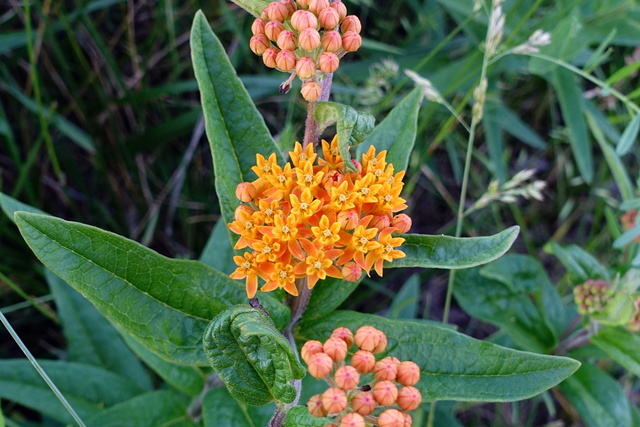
382	402
592	296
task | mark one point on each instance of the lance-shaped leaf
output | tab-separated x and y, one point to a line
454	366
397	132
353	127
453	252
253	359
299	416
235	129
254	7
163	303
220	409
621	345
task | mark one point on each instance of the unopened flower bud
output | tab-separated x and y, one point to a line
246	192
303	19
334	400
328	62
287	40
306	68
286	60
309	349
351	23
380	222
315	406
408	421
269	57
265	13
409	398
363	403
311	91
309	39
290	5
340	8
367	338
329	18
242	211
277	11
363	361
348	220
258	26
317	6
344	334
352	420
303	3
331	41
382	345
391	418
259	44
272	30
336	349
351	41
402	222
408	373
385	393
347	377
357	165
385	370
319	365
351	272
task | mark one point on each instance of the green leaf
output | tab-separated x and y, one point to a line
405	303
495	140
454	366
218	252
580	264
163	303
156	408
397	132
253	359
10	206
87	389
235	129
254	7
90	337
453	252
219	408
621	345
327	295
597	397
629	136
618	310
353	127
299	416
627	237
570	99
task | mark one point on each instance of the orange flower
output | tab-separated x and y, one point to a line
281	277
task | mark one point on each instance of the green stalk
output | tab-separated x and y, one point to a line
27	298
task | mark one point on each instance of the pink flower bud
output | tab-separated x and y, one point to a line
347	377
385	393
277	11
269	57
290	5
391	418
259	44
344	334
306	68
409	398
351	272
246	192
328	62
408	373
317	6
336	349
351	23
272	29
258	26
408	421
351	41
367	338
329	18
287	40
386	370
331	41
334	400
309	349
304	4
286	60
363	361
265	13
352	420
382	345
348	220
402	222
315	406
311	91
319	365
380	222
309	39
363	403
340	8
303	19
242	211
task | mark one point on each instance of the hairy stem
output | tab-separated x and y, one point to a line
311	131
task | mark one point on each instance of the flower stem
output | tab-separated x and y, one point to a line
311	131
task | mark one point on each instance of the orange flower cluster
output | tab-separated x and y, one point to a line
312	219
354	406
311	36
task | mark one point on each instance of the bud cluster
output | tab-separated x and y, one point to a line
592	296
382	402
634	323
305	38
